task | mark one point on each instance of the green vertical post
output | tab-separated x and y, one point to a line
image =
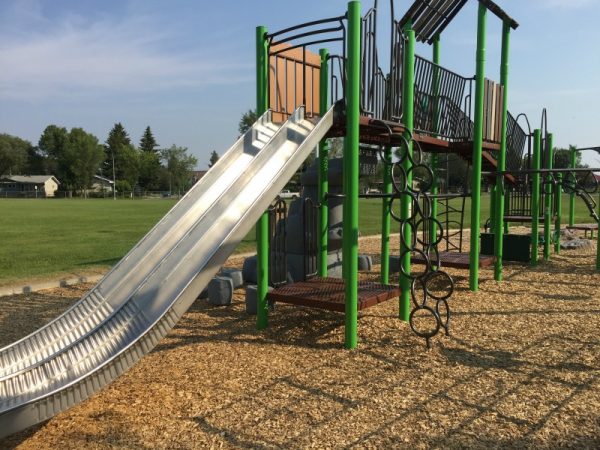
558	221
350	163
598	238
385	218
548	199
573	164
435	157
408	91
477	150
535	197
323	168
499	194
262	227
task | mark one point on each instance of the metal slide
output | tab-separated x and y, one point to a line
136	304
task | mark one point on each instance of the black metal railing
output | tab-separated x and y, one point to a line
451	214
277	248
516	138
309	236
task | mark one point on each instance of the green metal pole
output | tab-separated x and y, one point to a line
499	203
535	197
434	157
350	225
573	164
408	90
262	227
477	150
558	221
323	168
598	239
548	201
385	218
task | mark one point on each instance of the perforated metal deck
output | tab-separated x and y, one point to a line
455	259
328	293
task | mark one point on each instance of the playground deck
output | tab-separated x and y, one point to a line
585	228
329	294
455	260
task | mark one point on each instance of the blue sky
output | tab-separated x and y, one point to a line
186	68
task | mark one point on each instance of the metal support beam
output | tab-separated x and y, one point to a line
573	164
434	156
558	221
350	225
499	203
385	217
323	182
408	90
548	200
262	227
477	150
535	197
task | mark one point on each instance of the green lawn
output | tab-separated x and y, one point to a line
42	238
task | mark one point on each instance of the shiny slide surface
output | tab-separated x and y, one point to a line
136	304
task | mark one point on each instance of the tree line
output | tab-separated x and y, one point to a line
76	156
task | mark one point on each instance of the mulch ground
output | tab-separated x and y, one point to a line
521	369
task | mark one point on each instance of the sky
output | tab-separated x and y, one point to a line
186	68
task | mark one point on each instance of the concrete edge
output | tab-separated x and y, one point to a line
34	287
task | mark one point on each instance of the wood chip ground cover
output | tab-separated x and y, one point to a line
521	369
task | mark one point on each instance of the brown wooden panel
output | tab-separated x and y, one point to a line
287	79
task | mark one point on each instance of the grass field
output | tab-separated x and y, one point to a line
42	238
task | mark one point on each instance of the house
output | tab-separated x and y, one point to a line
28	186
101	184
196	175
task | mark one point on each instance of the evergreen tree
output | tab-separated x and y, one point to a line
147	143
247	120
214	157
118	149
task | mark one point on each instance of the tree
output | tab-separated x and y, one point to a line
126	161
86	156
76	155
179	165
214	157
13	154
54	146
247	120
147	143
150	171
562	158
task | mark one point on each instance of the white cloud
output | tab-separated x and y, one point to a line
83	58
567	4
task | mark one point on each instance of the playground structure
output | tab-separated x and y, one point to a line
413	108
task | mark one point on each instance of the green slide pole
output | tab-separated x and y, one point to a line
573	163
385	218
262	227
408	90
499	203
350	225
435	157
477	150
558	221
548	200
535	197
323	168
